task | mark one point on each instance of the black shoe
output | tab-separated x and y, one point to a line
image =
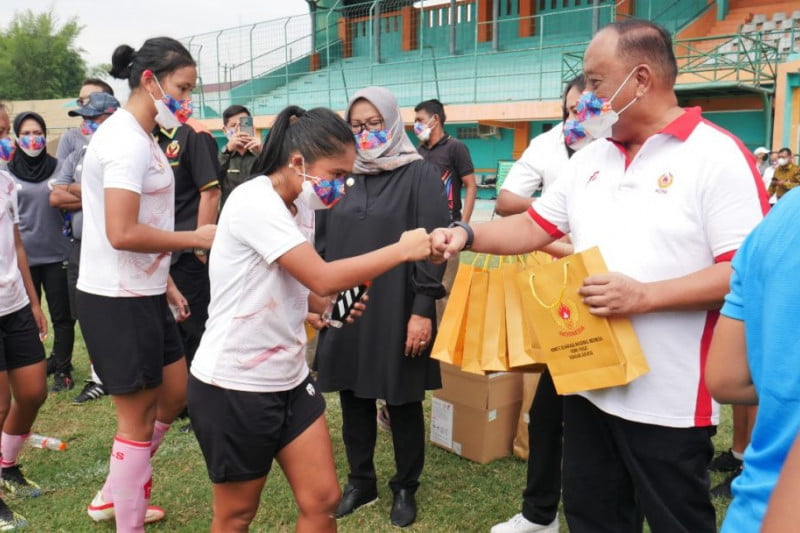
723	490
354	498
404	508
91	391
51	365
62	382
725	462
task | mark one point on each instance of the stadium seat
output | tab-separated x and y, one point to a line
750	27
759	19
768	25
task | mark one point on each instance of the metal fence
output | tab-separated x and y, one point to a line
442	48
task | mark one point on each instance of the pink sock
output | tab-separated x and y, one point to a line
11	446
159	430
129	475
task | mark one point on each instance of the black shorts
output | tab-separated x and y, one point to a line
130	340
241	432
19	340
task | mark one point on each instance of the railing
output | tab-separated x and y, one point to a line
747	59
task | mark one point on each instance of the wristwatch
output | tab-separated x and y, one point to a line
200	252
468	229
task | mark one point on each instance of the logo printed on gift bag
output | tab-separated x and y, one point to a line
563	311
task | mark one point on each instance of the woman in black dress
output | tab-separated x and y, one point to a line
386	353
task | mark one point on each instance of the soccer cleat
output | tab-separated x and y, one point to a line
17	484
100	510
9	520
91	391
62	382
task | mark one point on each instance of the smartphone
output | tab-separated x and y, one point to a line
339	308
246	126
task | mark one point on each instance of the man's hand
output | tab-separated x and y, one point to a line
418	335
358	309
253	144
446	242
237	141
614	294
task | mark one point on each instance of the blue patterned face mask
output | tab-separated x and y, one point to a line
7	148
371	139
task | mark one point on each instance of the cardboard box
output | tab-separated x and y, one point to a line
476	416
477	434
481	392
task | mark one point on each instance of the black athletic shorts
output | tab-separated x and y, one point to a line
19	340
241	432
130	340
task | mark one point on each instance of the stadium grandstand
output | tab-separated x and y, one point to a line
499	65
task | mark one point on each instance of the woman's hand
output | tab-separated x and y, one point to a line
177	302
416	244
358	309
418	335
41	321
205	236
316	321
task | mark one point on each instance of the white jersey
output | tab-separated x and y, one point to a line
686	201
121	155
255	340
539	165
12	290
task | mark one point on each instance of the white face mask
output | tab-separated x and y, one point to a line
309	197
782	161
596	114
164	117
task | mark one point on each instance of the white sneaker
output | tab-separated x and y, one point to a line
520	524
100	510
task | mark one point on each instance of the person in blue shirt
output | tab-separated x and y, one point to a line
754	356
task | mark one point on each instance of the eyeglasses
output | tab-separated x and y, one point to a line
371	125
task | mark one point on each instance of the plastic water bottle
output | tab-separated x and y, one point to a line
49	443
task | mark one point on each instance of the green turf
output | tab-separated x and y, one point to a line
456	495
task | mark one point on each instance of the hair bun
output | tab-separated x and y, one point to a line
121	62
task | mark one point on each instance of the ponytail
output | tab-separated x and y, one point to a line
315	134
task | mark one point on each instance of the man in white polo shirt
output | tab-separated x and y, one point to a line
668	198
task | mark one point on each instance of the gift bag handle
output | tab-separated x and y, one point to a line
560	294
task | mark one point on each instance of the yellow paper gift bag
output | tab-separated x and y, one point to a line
449	344
582	351
523	349
476	316
494	356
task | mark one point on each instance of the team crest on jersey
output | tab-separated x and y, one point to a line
311	390
173	150
664	182
565	315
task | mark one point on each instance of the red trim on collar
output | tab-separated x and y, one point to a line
684	125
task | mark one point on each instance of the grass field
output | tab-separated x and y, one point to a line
456	495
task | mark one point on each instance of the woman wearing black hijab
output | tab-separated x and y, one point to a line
45	243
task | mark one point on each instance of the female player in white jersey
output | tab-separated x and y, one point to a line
251	398
128	207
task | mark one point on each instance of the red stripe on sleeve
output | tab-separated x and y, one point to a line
727	256
702	410
763	199
548	227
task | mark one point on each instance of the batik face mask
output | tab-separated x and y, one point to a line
88	127
372	139
321	193
7	149
33	145
170	112
575	135
423	130
595	113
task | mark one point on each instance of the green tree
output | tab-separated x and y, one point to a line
38	59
